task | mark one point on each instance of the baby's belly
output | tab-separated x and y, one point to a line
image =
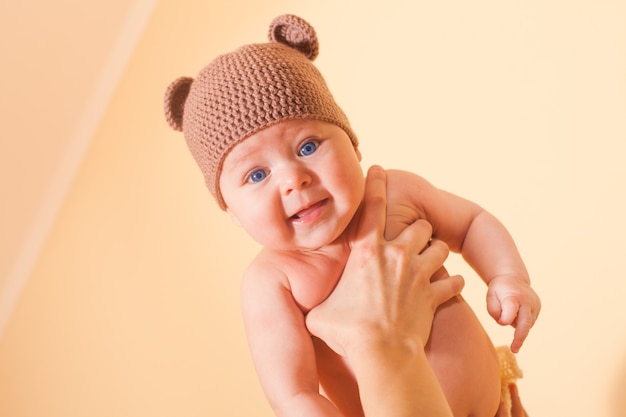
460	353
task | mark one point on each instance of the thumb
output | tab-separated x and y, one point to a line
509	306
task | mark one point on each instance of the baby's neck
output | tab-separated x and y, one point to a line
340	247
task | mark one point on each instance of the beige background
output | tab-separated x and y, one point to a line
119	276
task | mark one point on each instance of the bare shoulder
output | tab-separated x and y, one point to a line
407	184
449	214
266	270
409	198
263	280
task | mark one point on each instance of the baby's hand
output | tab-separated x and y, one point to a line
511	301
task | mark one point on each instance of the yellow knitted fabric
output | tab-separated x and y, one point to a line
509	373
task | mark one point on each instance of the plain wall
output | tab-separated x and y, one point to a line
133	308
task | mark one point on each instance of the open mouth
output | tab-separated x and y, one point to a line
310	213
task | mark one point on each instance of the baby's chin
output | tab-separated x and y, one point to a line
312	247
317	244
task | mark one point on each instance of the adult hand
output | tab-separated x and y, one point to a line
517	410
385	291
380	314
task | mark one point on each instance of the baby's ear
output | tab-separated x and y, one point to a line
175	98
358	154
234	218
296	33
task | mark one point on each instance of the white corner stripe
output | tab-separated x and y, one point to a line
37	234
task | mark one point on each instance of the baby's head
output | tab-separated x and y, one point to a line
250	89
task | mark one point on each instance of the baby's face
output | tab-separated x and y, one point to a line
295	185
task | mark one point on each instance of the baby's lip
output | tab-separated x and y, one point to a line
308	211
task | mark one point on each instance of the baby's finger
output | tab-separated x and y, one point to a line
509	307
523	323
374	211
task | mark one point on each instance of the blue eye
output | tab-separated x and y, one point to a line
308	148
257	175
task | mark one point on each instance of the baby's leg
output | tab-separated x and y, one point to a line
464	360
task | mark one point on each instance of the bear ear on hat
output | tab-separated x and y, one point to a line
175	98
296	33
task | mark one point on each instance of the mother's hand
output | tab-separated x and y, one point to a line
380	314
517	410
385	292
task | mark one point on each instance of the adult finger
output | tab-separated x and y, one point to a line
517	410
433	254
445	288
416	238
374	210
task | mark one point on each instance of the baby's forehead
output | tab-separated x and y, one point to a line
256	143
284	131
244	150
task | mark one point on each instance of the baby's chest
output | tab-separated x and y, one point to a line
312	284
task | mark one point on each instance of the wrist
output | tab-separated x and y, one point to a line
378	341
384	347
514	277
396	379
383	356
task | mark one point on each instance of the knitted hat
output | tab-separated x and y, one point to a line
250	89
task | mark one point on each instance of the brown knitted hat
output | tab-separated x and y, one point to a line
250	89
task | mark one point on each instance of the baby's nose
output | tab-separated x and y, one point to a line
295	179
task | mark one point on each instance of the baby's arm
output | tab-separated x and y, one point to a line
483	241
281	346
489	249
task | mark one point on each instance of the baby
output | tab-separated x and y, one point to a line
280	157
